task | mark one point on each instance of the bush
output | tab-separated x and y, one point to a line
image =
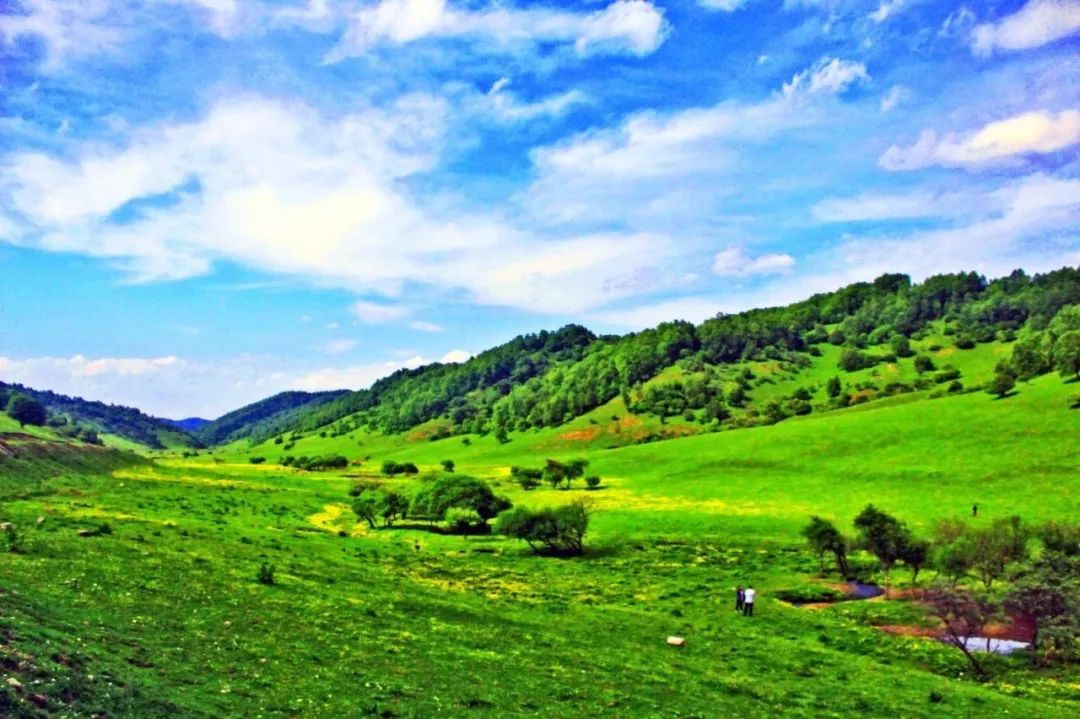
924	364
461	520
265	575
559	531
592	482
526	478
256	460
391	468
853	360
947	376
457	490
964	343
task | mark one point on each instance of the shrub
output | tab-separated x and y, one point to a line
256	460
457	490
559	531
592	481
526	478
462	520
964	343
447	465
924	364
265	575
391	468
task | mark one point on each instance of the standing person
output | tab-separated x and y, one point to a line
740	598
748	601
975	510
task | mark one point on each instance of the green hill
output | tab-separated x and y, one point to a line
126	423
264	418
753	368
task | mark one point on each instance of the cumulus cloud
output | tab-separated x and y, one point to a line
1001	142
455	357
1037	23
281	189
625	26
737	262
831	76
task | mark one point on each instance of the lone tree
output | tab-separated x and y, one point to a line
964	615
833	387
823	537
526	478
560	475
1004	380
26	410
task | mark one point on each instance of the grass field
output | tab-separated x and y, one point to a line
162	616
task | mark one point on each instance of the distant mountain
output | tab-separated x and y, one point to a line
681	369
126	422
190	424
264	418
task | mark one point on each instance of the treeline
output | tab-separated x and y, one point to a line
548	378
69	414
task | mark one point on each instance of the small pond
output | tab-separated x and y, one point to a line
995	646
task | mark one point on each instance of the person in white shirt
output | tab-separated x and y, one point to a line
748	601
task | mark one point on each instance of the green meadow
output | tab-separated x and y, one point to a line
157	610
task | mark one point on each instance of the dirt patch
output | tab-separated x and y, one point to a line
581	435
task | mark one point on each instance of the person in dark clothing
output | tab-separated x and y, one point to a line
740	598
975	510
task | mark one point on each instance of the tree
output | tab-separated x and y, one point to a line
526	478
833	387
1066	354
883	536
558	531
1001	385
823	537
26	410
1031	357
964	615
390	506
995	547
448	465
457	490
924	364
366	507
914	554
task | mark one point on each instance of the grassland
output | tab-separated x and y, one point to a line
162	616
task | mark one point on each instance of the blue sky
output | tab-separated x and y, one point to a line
203	202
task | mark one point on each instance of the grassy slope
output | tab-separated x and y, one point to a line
372	625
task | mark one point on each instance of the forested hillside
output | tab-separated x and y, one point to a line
126	422
677	368
264	418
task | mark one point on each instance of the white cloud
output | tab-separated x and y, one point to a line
68	28
223	15
422	326
1002	142
631	26
723	5
338	347
1030	223
455	357
281	189
896	95
901	206
373	313
1036	24
506	106
885	10
737	262
831	76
